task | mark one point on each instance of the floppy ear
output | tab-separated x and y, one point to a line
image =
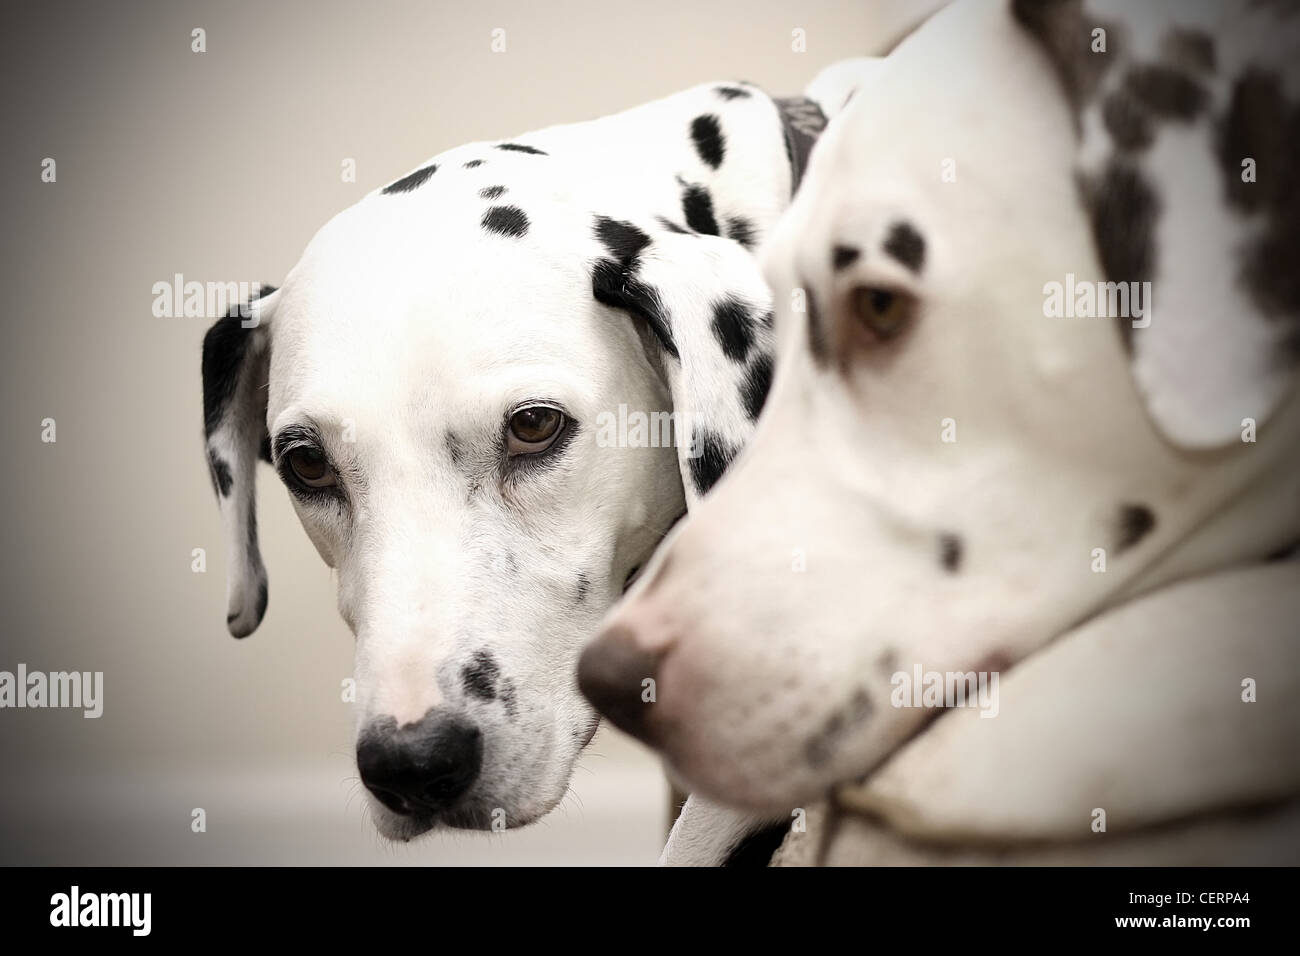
235	361
1186	171
705	312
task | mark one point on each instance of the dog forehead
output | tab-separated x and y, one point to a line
390	292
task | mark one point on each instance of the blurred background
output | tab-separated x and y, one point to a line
220	166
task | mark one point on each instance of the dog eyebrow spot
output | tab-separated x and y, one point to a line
906	245
479	676
1135	522
221	478
733	328
731	92
697	206
757	383
411	180
712	461
706	133
844	256
583	588
471	164
491	192
505	221
950	552
521	148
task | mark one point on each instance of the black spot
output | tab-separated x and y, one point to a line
220	469
821	746
505	221
1123	210
1065	34
731	92
733	328
224	346
950	552
741	230
583	588
757	847
1188	49
491	192
479	676
623	240
757	383
1255	126
706	133
472	163
905	244
615	286
1260	124
1135	522
697	205
264	450
817	344
1167	93
509	698
411	180
1127	122
844	256
521	148
714	455
672	226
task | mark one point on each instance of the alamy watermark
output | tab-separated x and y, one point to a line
1086	299
657	429
77	690
936	689
181	299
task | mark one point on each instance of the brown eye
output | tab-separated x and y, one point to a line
533	429
884	312
309	466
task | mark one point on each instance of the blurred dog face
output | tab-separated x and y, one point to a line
942	463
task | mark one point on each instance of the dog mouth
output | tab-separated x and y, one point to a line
405	827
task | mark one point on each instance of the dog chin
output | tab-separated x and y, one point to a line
403	829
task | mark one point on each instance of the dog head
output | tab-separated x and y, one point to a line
444	385
955	466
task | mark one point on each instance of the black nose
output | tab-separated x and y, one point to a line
423	767
612	673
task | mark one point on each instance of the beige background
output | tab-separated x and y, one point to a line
220	166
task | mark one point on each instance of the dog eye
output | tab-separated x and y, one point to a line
309	466
534	429
884	312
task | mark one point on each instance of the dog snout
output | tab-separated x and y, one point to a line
618	677
423	767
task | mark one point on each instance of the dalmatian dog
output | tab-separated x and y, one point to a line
957	475
444	384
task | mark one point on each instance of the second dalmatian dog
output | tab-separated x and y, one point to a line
439	382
